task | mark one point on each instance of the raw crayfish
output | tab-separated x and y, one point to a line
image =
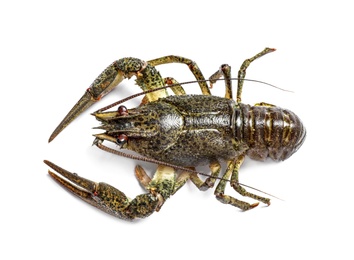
180	132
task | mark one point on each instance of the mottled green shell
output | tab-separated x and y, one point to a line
183	130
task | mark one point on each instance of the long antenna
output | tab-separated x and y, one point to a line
179	84
99	144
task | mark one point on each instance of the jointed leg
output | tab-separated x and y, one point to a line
191	65
235	183
181	180
162	185
142	177
210	181
242	71
224	71
201	185
177	89
220	190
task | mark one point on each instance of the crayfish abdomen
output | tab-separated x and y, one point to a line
270	131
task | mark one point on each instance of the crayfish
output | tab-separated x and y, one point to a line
179	133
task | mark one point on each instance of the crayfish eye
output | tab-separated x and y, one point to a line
122	139
122	110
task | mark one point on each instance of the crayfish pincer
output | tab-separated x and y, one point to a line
179	133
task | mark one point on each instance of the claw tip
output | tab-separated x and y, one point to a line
51	138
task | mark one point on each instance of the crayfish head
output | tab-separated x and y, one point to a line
148	129
126	125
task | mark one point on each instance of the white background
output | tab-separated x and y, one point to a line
51	52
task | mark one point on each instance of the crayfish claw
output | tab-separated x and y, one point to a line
85	102
79	186
106	197
101	86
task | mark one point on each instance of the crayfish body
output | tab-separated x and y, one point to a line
193	130
179	133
